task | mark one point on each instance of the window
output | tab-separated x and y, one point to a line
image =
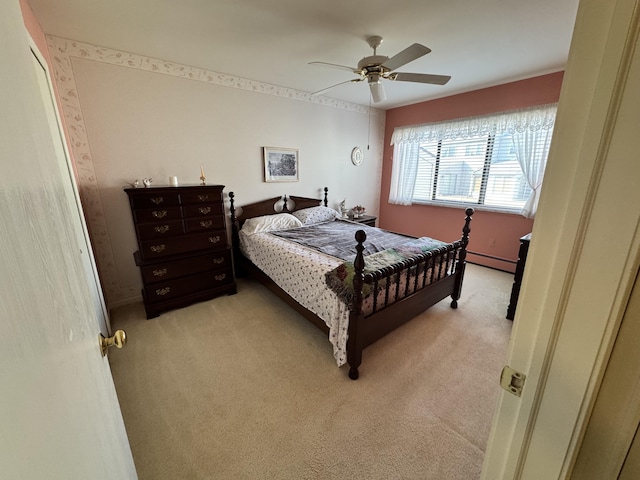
482	170
497	161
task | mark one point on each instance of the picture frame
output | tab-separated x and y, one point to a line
280	164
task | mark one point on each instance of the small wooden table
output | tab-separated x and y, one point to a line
517	279
365	219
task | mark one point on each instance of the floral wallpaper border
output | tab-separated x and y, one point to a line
62	51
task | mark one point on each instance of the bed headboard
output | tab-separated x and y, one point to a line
270	205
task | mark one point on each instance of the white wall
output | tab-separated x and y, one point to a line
132	117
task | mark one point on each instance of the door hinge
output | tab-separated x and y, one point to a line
512	381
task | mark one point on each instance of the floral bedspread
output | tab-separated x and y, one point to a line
300	271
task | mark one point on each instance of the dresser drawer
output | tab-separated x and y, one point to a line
155	199
160	214
212	239
163	271
183	244
201	197
162	291
148	231
204	210
203	224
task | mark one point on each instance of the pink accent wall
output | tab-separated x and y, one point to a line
34	29
495	234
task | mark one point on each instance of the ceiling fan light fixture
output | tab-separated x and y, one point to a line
377	91
374	78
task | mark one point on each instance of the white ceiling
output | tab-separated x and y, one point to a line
479	43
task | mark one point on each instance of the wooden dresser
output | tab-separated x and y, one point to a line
183	252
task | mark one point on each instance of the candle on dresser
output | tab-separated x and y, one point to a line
201	172
173	181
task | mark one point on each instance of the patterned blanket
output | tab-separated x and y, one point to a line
340	279
337	238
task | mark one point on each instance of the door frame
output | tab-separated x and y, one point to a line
576	285
614	421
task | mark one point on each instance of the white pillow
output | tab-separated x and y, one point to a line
313	215
266	223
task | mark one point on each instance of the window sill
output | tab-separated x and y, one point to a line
475	206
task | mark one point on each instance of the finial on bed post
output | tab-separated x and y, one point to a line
356	316
462	255
326	201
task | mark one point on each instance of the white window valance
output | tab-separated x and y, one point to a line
515	121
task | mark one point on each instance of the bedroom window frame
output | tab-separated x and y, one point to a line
436	184
527	133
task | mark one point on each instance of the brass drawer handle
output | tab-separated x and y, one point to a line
215	239
157	200
203	198
218	261
159	213
162	228
220	277
206	223
158	248
204	210
160	272
163	291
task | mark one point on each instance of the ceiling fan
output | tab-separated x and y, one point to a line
377	67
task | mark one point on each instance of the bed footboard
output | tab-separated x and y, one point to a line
399	292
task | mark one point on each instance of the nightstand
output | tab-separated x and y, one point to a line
366	219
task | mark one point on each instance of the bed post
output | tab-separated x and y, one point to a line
462	255
235	238
356	316
326	201
234	225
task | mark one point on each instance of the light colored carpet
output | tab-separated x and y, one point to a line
242	387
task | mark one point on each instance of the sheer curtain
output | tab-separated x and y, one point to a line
532	149
531	130
404	172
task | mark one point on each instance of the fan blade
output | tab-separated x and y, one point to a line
420	78
341	67
355	80
407	55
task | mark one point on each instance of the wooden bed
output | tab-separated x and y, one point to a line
445	267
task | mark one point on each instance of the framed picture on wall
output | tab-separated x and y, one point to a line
280	164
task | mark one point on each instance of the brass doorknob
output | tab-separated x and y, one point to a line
118	339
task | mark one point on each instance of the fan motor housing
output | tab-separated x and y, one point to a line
372	64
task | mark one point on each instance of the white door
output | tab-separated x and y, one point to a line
71	193
59	413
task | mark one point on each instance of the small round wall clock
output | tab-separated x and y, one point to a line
357	156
